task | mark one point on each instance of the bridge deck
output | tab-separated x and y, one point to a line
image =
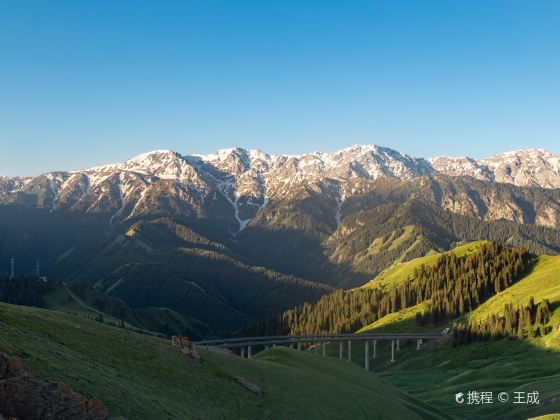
293	339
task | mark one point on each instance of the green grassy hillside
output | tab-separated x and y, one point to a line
91	304
395	246
440	370
542	282
399	272
139	376
60	300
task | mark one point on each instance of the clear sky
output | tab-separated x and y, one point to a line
91	82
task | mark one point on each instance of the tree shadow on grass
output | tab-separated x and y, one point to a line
439	370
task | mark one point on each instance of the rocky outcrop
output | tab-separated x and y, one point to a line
548	215
254	388
185	346
461	203
23	396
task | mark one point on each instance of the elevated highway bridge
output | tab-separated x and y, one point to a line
247	345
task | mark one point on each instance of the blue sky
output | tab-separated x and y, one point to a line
90	82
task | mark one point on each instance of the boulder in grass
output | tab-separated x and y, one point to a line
254	388
185	346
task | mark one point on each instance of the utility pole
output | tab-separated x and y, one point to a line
12	273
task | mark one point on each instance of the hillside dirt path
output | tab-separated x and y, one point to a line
116	320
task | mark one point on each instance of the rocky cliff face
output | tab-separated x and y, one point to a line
494	201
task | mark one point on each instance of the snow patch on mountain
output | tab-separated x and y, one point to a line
249	179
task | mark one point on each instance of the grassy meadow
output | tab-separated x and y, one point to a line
140	376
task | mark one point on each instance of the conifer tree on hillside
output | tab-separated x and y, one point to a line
512	323
451	287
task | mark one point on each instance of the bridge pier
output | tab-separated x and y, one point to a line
367	356
374	349
398	345
340	350
392	351
418	343
266	346
299	345
324	349
249	352
316	349
349	350
243	352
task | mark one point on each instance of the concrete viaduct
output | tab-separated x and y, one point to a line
250	343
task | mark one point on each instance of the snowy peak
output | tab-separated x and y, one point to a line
461	166
234	185
359	161
155	162
236	153
525	168
236	160
531	167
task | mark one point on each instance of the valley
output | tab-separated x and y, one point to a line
89	355
277	210
361	240
139	376
162	229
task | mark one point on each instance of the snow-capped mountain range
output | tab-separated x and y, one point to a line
241	182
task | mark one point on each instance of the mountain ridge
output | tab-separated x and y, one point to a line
235	184
240	235
433	164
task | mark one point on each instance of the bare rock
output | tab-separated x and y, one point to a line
254	388
185	346
22	396
10	366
